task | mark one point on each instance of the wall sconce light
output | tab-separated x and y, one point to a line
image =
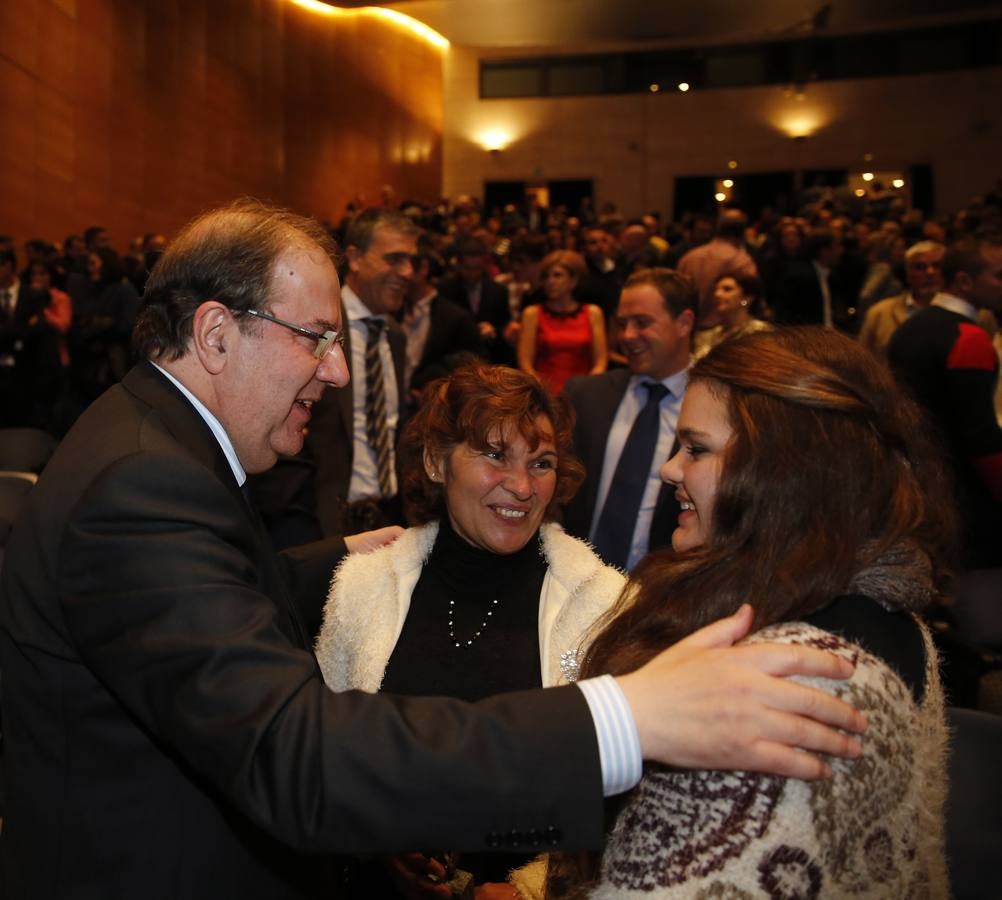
494	140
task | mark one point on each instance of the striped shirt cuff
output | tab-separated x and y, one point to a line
618	741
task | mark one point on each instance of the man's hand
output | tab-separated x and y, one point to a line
367	541
703	704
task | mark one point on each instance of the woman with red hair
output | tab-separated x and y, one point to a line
486	594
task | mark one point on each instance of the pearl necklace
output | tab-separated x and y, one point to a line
479	631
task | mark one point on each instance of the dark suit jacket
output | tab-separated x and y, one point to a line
595	399
494	308
167	732
799	301
452	332
31	346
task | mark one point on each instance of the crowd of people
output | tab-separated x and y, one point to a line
606	437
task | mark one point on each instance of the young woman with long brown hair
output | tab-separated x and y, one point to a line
807	489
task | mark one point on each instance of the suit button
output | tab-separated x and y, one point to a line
533	837
514	838
493	839
553	835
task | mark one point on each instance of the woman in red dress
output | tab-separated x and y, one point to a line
561	336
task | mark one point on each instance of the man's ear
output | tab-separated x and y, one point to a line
212	328
354	256
687	319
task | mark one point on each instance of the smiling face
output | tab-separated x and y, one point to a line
496	498
272	376
381	275
655	342
703	433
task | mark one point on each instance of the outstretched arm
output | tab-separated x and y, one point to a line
706	704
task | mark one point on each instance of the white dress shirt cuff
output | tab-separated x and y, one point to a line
618	741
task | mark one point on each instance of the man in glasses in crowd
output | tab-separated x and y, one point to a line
167	732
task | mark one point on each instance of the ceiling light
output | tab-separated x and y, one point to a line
655	88
898	182
732	164
860	192
868	176
720	196
683	86
727	183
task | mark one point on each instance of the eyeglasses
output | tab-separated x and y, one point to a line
324	341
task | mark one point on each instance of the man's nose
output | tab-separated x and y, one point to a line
333	368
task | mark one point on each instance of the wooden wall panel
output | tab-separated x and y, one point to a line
137	114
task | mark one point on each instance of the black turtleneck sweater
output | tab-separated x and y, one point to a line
505	657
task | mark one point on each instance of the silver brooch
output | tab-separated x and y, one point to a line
570	665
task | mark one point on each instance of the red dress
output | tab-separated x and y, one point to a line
563	347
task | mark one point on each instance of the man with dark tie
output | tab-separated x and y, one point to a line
352	441
626	419
167	732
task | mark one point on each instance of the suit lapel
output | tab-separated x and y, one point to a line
183	421
603	403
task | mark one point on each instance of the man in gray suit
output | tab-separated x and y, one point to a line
655	318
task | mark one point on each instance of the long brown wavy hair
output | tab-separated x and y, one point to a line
828	469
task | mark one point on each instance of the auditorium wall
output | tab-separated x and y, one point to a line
635	145
137	114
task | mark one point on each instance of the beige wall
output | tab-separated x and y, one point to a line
634	145
137	114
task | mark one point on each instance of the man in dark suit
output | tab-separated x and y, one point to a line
22	330
441	335
167	731
655	318
352	492
808	293
471	289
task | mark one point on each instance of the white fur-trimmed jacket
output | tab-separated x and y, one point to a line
370	596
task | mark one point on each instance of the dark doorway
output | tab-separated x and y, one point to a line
498	194
570	193
567	192
694	194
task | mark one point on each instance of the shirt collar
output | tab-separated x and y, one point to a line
214	426
354	306
956	304
676	383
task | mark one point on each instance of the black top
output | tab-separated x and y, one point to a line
891	635
505	657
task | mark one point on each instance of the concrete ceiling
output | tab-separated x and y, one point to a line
584	24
